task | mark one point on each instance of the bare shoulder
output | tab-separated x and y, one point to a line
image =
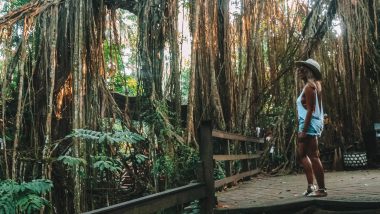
310	89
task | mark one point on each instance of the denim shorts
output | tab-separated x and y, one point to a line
313	130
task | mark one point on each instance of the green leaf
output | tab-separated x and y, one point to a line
71	161
106	137
39	186
31	203
103	139
7	205
24	197
110	165
141	158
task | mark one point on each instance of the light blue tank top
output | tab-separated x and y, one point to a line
316	123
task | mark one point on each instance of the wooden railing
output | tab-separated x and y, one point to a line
156	202
202	190
243	154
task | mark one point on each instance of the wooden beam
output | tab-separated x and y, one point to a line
235	178
231	136
235	157
156	202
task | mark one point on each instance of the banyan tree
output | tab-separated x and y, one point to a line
58	75
58	113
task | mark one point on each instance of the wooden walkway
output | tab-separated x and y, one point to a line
347	190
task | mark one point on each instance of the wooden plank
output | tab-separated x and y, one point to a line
231	136
156	202
235	178
236	157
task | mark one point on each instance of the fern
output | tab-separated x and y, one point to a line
85	134
71	161
108	148
31	202
7	202
39	186
107	165
103	163
24	197
106	137
164	165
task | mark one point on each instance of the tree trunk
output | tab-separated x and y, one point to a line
4	86
77	101
51	30
19	114
224	69
174	63
190	126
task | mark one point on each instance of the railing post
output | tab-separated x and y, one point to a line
206	156
245	163
226	150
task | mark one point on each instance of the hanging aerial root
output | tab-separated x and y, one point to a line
31	9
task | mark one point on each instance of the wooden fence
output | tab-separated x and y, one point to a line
204	189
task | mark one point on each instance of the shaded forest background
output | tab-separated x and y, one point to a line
101	99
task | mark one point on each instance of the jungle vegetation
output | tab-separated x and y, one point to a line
101	100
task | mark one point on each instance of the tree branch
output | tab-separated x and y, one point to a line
130	5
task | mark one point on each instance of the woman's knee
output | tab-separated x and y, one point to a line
316	161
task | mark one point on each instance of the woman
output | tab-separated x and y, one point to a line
310	126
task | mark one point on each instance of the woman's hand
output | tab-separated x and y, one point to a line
301	135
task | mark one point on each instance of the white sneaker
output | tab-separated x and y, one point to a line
318	193
309	190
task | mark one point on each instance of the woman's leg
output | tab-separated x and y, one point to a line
305	161
312	152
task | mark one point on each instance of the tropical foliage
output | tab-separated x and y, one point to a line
104	98
25	197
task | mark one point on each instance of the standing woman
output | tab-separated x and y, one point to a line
310	126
